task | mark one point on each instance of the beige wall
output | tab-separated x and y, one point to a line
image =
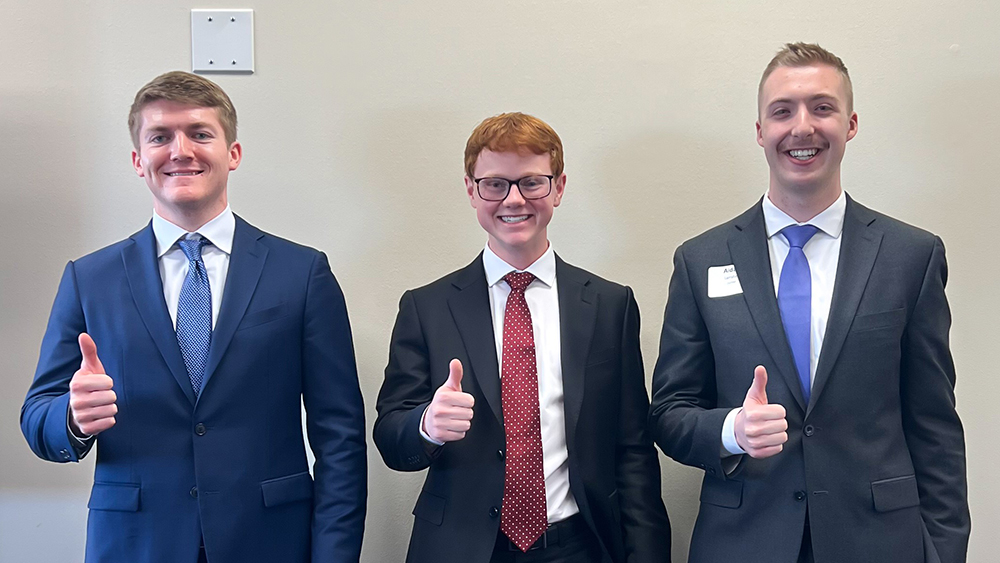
354	126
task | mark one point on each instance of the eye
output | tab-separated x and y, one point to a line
493	183
158	139
779	112
824	107
201	136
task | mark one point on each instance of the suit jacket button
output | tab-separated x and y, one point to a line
500	454
800	496
65	454
809	430
199	429
494	512
194	492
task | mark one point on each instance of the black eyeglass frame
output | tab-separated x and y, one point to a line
512	183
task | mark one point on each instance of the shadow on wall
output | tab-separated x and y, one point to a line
43	224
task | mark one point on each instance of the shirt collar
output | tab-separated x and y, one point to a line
219	231
496	268
830	220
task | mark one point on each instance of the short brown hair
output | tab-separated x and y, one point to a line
807	54
513	132
183	88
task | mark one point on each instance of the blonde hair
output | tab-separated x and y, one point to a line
183	88
807	54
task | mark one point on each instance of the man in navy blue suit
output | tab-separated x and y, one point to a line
185	351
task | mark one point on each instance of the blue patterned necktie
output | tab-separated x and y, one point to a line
795	300
194	313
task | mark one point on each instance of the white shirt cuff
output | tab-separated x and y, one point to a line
423	434
729	444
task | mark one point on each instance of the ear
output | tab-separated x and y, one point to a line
137	164
760	138
559	188
852	126
235	155
470	189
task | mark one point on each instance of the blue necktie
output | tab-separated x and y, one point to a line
795	300
194	313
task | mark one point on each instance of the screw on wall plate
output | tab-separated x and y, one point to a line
211	62
232	19
209	18
234	62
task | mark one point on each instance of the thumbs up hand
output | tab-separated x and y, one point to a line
760	427
91	401
449	416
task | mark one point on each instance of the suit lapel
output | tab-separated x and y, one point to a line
143	273
470	307
748	247
577	317
857	257
245	265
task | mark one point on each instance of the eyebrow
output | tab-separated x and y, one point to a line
820	96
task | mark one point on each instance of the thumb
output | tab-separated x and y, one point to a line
757	395
454	375
91	363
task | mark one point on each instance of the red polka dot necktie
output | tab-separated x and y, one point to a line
523	518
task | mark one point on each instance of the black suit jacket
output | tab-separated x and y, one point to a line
877	457
613	470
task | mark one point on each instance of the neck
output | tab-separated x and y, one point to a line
520	258
803	205
190	219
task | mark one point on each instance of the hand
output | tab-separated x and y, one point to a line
449	416
91	401
760	427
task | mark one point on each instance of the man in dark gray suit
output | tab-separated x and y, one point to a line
854	452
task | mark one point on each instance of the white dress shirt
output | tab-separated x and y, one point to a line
174	264
542	297
823	253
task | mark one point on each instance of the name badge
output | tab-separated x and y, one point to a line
723	281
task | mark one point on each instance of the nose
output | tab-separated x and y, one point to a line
514	197
180	148
803	125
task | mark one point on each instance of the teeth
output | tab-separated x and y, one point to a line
516	219
183	173
803	154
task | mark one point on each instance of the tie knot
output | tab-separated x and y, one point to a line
518	281
798	235
191	247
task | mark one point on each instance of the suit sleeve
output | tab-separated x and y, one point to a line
335	420
685	420
933	430
645	526
46	407
405	394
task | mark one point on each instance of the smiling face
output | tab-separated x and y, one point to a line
805	121
183	155
516	226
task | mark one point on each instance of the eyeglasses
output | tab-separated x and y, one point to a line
536	186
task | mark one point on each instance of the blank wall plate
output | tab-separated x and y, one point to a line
222	41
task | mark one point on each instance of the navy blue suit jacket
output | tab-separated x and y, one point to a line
228	466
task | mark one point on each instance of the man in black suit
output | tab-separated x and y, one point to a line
854	451
518	381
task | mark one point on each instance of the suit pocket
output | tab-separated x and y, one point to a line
602	356
429	507
727	494
287	489
121	497
255	318
876	321
893	494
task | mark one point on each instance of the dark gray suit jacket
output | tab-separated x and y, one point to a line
613	471
877	457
